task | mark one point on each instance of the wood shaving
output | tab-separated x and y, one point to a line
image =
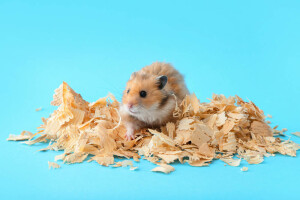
202	132
232	162
255	160
125	163
164	168
38	109
25	135
133	168
244	169
258	127
269	116
297	134
59	157
53	165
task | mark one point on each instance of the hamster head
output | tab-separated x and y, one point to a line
144	96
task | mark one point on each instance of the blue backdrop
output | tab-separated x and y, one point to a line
249	48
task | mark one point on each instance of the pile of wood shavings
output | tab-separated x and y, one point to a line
220	129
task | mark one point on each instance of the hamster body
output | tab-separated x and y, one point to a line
148	100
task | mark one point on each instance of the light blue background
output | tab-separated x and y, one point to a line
249	48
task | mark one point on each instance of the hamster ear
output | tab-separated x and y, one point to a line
162	81
133	75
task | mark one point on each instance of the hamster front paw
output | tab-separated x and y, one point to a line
130	134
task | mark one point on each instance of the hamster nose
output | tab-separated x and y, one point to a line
130	105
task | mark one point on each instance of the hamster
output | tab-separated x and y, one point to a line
148	100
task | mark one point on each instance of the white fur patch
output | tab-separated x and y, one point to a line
152	115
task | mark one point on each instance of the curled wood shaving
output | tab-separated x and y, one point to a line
200	133
255	160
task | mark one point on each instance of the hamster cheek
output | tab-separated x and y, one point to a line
154	107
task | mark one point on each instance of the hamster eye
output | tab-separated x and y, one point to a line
143	94
128	91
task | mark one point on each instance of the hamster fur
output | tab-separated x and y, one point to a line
148	100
